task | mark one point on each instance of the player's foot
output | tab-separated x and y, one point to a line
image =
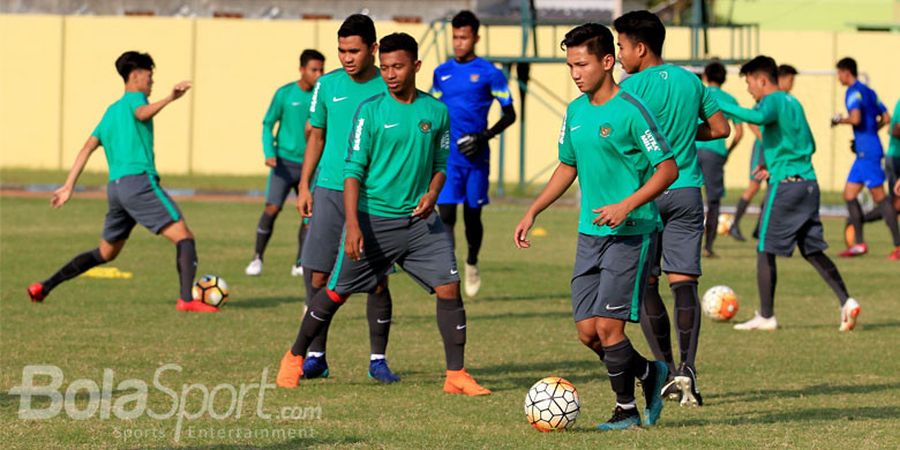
380	372
895	255
758	322
855	250
687	383
735	232
473	280
621	419
653	387
195	306
849	313
460	382
707	253
36	292
254	268
290	371
315	367
671	390
296	271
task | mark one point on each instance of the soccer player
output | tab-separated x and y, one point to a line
793	193
676	98
713	154
335	99
284	152
468	85
395	168
611	142
892	159
134	194
867	115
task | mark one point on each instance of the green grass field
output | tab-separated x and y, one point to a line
804	386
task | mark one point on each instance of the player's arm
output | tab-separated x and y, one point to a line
315	144
853	101
62	195
354	170
146	112
469	144
763	114
736	138
896	131
273	116
884	118
715	125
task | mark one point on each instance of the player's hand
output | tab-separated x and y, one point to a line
520	237
760	173
353	242
305	202
836	120
426	205
272	162
61	196
611	215
897	188
469	144
180	89
853	146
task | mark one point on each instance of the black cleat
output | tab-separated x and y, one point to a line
687	383
735	232
622	419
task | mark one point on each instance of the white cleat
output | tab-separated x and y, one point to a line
254	268
473	280
758	322
849	313
296	271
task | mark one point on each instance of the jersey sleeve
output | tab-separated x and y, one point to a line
360	144
442	144
273	115
318	111
436	90
764	113
881	108
648	138
853	99
709	105
136	101
97	131
566	150
500	87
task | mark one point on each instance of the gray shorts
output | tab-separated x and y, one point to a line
420	246
791	218
283	178
678	249
892	169
320	247
137	199
610	276
713	167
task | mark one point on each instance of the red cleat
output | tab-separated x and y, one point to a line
36	292
895	255
855	250
194	306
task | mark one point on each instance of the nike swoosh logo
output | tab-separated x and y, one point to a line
574	128
338	99
383	321
616	308
295	104
445	77
454	272
460	327
313	314
390	125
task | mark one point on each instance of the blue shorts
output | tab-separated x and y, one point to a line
467	185
867	172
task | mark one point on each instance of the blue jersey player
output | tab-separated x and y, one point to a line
468	86
867	115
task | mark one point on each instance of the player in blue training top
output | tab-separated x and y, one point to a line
867	115
468	85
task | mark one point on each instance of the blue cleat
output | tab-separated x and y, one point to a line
315	367
622	419
653	388
380	372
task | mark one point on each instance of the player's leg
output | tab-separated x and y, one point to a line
476	198
892	167
452	194
855	183
278	186
654	316
379	311
713	167
888	213
447	211
295	169
773	236
741	209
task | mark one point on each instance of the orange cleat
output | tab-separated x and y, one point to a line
895	255
36	292
194	306
460	382
290	371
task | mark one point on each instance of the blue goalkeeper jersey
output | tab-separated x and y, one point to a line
861	97
468	89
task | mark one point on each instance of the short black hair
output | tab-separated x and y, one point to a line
130	61
399	41
310	55
643	26
848	64
597	38
358	25
715	72
761	64
466	18
786	69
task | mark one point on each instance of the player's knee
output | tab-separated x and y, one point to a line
272	210
588	338
318	279
447	291
381	286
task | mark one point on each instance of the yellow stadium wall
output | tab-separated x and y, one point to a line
57	77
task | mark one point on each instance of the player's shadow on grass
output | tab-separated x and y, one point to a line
793	415
862	327
534	296
511	376
266	302
292	444
806	391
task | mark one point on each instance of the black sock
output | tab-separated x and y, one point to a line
316	321
301	235
619	362
448	216
873	215
186	258
712	223
687	319
829	272
474	232
855	219
766	278
77	266
264	232
451	320
741	209
890	218
378	312
656	327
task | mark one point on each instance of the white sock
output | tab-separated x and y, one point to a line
375	357
625	405
315	354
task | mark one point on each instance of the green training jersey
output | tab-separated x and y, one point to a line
719	146
334	101
395	150
127	142
676	98
290	109
615	147
894	147
788	143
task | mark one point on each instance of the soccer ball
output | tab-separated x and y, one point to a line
720	303
552	404
725	223
211	290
